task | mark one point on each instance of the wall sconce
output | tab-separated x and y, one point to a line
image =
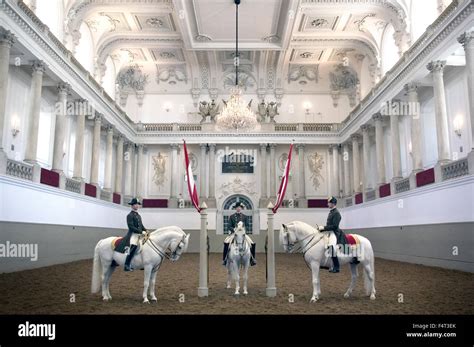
167	106
458	123
15	126
307	106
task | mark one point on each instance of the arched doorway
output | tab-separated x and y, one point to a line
228	210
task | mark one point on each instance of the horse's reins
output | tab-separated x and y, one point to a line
162	254
302	247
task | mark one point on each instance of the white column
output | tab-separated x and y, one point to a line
79	147
355	162
379	148
212	171
271	287
6	42
263	173
174	173
366	155
467	40
272	171
96	151
34	114
345	159
128	169
108	159
395	139
60	128
202	172
119	168
436	68
141	176
335	169
301	177
203	289
340	164
415	125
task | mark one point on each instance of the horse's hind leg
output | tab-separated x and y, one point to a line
229	276
370	280
353	280
105	281
146	282
108	276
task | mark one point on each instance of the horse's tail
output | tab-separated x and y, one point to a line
369	254
96	270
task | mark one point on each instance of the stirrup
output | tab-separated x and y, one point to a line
355	261
334	271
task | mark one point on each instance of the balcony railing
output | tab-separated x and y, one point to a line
73	185
402	185
105	195
19	169
455	169
370	195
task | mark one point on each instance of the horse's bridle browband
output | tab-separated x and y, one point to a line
165	254
302	248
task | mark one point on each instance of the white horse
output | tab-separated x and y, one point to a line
238	258
313	245
168	242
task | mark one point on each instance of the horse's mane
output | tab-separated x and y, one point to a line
167	228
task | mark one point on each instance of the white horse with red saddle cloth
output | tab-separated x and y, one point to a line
168	242
297	235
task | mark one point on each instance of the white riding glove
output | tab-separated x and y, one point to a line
320	227
144	233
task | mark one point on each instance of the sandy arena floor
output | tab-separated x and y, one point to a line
425	290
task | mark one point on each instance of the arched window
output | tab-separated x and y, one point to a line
389	49
228	210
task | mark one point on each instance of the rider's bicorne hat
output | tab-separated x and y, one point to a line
239	204
332	200
134	201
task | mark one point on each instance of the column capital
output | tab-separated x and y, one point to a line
436	66
355	137
38	66
212	146
64	88
263	146
203	146
128	144
7	37
365	128
377	117
466	39
300	146
272	145
98	118
110	129
174	146
140	146
411	87
347	144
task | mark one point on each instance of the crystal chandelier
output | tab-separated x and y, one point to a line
236	115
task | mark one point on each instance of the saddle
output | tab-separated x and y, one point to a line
352	242
120	245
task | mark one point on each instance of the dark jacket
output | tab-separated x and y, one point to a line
235	219
135	226
332	224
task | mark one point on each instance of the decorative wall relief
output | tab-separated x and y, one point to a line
267	112
159	167
343	78
131	79
303	74
208	109
236	186
315	163
171	74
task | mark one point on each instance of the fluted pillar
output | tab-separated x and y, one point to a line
119	166
212	171
379	148
345	159
467	40
60	128
263	175
340	165
108	159
128	169
202	172
355	162
79	147
34	113
415	126
366	155
141	174
272	171
436	68
301	176
335	170
395	140
174	175
7	39
96	151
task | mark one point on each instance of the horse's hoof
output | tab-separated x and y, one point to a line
228	287
246	293
372	297
105	299
236	293
154	300
313	300
347	295
146	301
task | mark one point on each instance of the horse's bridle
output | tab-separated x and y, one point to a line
168	254
301	247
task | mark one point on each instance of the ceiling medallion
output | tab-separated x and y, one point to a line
306	55
155	22
167	55
319	23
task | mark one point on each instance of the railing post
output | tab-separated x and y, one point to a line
203	290
271	289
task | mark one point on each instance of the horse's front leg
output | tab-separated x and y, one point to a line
237	278
246	269
316	285
229	274
152	286
146	282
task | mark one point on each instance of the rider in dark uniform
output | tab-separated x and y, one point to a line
332	224
135	230
234	219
